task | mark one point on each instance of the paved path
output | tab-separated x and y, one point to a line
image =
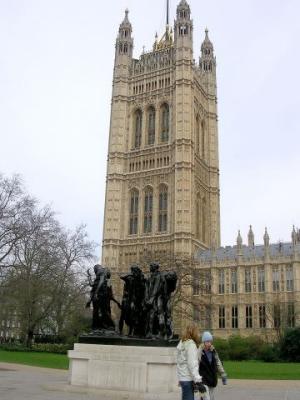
20	382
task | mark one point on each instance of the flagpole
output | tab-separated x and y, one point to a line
167	13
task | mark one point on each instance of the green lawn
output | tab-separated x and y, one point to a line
234	369
47	360
261	370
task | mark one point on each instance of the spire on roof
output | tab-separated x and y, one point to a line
126	20
266	238
125	24
294	236
250	237
207	61
165	41
124	44
239	240
207	45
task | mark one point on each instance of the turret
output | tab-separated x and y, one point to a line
183	31
250	237
207	61
266	246
239	240
266	238
124	43
239	244
294	236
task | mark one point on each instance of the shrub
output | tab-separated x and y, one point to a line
57	348
49	339
245	348
14	347
254	344
238	349
222	348
290	345
269	353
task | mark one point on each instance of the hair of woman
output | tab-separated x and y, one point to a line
191	332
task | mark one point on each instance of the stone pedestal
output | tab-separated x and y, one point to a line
139	371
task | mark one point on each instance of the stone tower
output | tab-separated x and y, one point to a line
162	188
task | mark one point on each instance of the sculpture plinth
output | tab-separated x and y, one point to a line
142	372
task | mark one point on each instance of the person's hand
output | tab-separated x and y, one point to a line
224	379
200	387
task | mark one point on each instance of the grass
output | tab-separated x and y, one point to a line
261	370
234	369
46	360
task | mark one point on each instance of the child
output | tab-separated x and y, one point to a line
210	364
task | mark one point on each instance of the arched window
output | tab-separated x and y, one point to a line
151	125
163	209
148	207
203	220
198	216
182	30
202	139
137	128
164	123
133	212
201	216
197	134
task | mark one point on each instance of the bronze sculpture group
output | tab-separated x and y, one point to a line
145	306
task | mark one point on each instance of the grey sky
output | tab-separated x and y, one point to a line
56	60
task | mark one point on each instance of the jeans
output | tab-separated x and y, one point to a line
187	390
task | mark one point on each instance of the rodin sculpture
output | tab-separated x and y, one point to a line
146	302
155	296
132	308
159	288
100	296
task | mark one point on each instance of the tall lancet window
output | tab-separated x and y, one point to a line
197	134
137	128
151	125
198	216
163	209
202	139
164	123
203	220
134	212
148	208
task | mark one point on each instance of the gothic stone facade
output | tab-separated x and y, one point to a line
162	188
253	289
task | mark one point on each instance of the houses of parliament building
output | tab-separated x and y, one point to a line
162	188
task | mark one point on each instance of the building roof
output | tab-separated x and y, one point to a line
279	249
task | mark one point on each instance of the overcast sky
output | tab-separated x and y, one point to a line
56	63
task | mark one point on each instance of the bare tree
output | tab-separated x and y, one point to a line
75	251
15	206
281	315
45	278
